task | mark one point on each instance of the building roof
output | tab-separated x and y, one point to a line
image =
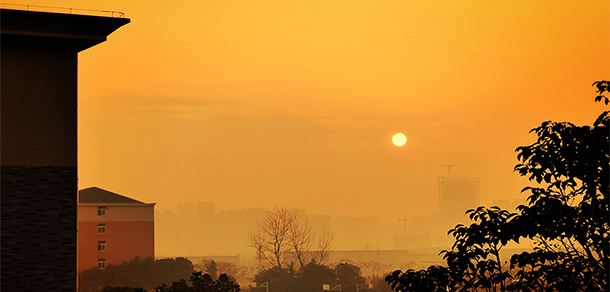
97	195
77	32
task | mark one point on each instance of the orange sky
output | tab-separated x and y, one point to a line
256	103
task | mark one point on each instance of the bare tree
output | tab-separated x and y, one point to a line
271	239
324	243
284	236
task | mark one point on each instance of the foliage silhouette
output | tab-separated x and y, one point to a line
566	216
348	276
201	283
278	279
434	279
122	289
147	273
310	277
475	256
237	273
602	87
313	276
211	268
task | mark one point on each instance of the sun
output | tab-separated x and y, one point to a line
399	139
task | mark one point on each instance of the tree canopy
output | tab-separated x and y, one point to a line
310	278
566	215
200	282
147	274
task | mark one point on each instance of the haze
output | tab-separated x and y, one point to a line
252	104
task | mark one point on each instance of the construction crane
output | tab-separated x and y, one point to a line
449	166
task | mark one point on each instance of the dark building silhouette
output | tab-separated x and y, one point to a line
38	144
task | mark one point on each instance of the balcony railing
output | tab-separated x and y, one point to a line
79	11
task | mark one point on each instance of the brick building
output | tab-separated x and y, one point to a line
113	229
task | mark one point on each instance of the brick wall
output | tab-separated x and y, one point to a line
38	228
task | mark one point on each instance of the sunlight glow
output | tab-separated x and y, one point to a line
399	139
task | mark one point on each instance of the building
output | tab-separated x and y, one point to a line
456	195
113	229
38	104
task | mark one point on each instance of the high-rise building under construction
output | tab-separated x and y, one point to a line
456	195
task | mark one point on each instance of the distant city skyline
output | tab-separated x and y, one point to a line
351	232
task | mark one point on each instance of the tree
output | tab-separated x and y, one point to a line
349	276
201	283
277	279
375	273
122	289
323	248
284	236
211	268
313	276
237	273
433	279
566	216
474	263
177	286
475	258
602	88
378	284
225	284
147	273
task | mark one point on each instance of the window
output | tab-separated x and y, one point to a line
101	263
101	245
101	210
101	228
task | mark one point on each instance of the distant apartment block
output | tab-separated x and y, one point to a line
38	104
113	229
456	195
